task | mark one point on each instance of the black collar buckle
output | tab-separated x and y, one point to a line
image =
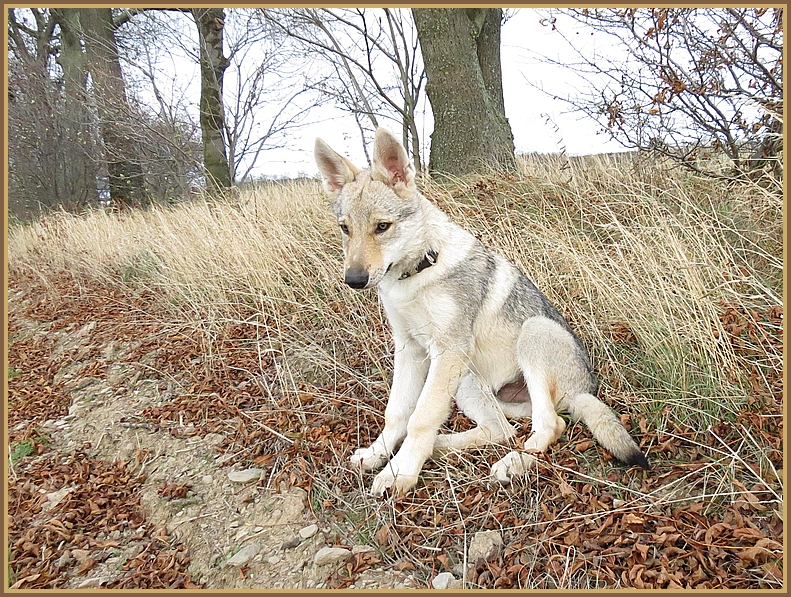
428	260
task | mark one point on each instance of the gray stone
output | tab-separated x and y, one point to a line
484	544
246	476
65	560
309	531
362	549
244	555
91	582
241	533
213	439
442	580
330	555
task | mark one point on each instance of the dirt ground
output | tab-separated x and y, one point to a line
136	463
238	534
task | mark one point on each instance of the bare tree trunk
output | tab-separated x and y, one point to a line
461	53
80	171
125	172
213	63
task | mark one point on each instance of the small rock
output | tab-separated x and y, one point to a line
246	476
246	496
330	555
90	582
291	543
65	560
309	531
234	524
244	555
484	545
273	559
442	580
207	479
361	549
213	439
242	533
618	503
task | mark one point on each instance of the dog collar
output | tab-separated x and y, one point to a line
428	260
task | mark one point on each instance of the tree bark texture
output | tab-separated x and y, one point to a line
125	171
79	172
461	53
210	22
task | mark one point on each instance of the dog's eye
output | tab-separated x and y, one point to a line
382	226
344	229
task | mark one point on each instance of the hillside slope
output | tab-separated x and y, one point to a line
152	353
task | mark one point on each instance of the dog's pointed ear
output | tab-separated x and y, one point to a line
335	169
391	164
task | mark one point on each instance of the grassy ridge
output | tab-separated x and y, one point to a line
675	284
642	260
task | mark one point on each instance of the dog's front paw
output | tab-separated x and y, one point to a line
369	458
514	464
398	475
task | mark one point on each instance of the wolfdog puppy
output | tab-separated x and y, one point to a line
466	323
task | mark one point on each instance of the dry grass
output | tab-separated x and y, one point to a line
642	260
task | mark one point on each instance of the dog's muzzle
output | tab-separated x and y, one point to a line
356	277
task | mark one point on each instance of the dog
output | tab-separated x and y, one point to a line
466	323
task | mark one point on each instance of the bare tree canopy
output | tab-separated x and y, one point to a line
104	103
377	72
688	83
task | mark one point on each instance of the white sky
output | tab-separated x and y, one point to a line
539	123
527	108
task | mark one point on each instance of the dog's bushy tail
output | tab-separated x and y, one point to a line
607	429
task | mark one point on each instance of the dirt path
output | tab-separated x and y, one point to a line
236	534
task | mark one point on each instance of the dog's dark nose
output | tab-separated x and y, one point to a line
356	277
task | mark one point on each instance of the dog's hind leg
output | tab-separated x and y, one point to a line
481	407
547	428
547	356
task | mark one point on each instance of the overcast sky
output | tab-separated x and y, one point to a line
539	123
